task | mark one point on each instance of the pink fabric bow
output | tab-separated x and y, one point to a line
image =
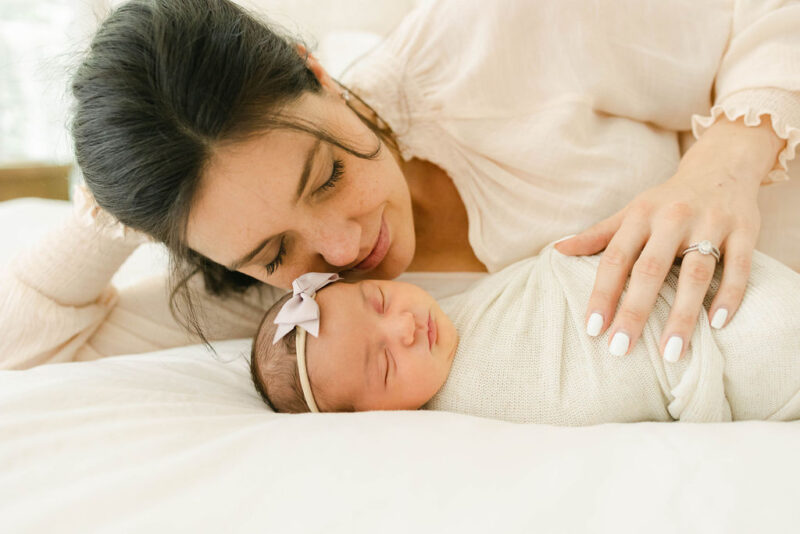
302	310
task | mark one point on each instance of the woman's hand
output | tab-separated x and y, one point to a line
712	196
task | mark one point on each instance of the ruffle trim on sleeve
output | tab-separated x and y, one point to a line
733	110
89	214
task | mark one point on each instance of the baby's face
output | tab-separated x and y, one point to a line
382	345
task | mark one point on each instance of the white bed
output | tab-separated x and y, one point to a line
176	441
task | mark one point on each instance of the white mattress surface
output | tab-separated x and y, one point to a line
176	441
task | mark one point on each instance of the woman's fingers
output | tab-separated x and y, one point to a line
695	275
612	272
647	277
642	241
735	273
592	240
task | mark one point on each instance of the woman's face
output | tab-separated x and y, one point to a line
382	345
285	203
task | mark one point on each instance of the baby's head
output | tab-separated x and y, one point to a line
382	345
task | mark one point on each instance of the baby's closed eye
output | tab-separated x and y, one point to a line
387	357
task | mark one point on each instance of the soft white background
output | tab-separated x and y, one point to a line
41	42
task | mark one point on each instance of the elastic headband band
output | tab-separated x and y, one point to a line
300	342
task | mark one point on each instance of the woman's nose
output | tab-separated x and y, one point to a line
338	242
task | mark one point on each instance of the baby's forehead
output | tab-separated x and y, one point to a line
340	345
339	307
340	294
350	297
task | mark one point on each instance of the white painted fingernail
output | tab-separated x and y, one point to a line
719	318
673	349
619	344
595	324
565	238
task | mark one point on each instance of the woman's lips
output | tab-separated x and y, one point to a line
378	251
432	333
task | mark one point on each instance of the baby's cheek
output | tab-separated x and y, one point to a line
420	385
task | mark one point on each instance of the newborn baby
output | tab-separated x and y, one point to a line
514	347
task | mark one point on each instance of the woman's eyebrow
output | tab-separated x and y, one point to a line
301	185
249	256
310	156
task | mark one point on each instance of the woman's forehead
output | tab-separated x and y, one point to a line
283	148
254	176
241	185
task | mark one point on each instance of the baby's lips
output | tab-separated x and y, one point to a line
433	332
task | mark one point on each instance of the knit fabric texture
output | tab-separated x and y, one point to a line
524	354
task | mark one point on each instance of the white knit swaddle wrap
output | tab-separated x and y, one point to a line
524	354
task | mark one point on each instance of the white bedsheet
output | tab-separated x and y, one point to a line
175	441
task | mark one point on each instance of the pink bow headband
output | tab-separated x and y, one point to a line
302	311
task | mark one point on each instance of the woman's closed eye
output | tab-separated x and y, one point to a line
336	175
274	264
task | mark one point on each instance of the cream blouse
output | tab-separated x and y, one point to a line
548	116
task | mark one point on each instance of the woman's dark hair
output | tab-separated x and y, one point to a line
164	83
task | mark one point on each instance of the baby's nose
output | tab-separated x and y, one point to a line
407	328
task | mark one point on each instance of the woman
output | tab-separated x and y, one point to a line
475	134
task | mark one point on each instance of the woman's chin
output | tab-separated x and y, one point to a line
400	254
395	264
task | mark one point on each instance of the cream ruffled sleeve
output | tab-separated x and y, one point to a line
760	75
57	303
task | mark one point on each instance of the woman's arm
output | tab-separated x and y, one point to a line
56	293
750	135
711	196
57	303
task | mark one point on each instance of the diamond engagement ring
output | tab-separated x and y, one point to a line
703	247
